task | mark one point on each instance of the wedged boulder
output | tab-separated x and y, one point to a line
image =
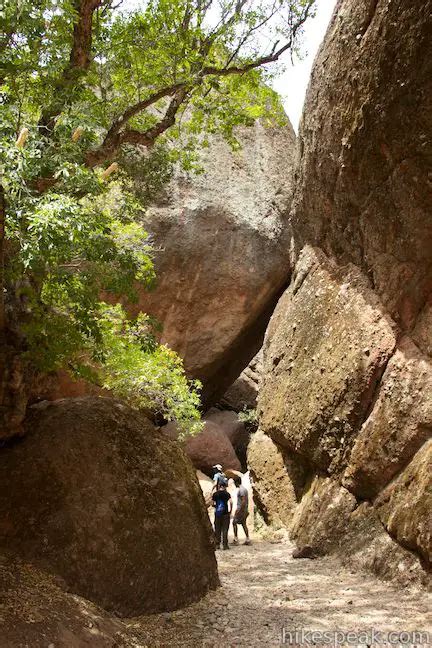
399	424
277	480
229	423
209	447
237	432
222	253
100	499
405	506
326	348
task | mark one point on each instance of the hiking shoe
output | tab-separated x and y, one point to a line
225	548
217	546
247	542
235	541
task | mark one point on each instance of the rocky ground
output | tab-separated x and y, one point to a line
263	590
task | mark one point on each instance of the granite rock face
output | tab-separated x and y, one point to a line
100	499
363	187
348	352
277	479
243	393
210	447
398	426
222	252
327	346
321	520
405	505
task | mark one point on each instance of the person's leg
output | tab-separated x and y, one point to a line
217	530
225	528
246	530
235	529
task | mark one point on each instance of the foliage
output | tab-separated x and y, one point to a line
147	374
91	84
249	417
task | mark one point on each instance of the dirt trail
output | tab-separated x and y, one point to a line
265	589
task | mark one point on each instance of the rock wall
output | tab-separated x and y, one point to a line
347	359
221	242
96	496
243	393
278	481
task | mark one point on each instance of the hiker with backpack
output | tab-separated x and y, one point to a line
223	506
219	478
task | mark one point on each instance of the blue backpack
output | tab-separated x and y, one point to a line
220	506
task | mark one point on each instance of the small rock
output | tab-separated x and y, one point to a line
303	552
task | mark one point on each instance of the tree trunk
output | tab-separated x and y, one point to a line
2	267
13	379
3	345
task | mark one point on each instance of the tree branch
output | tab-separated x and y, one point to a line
169	118
135	109
114	139
82	36
119	134
79	59
248	33
263	60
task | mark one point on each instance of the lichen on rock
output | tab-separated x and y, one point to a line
110	505
347	356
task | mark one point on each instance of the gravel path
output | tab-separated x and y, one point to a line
264	589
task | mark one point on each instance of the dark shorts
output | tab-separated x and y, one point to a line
240	518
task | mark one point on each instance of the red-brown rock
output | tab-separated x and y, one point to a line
221	254
100	499
210	447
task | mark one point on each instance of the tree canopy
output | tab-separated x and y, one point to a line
84	85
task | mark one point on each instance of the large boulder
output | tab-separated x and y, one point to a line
321	519
348	352
221	254
405	506
328	520
100	498
229	423
327	347
210	447
237	431
398	426
363	185
366	545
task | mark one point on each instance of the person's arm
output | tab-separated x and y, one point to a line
229	504
215	482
